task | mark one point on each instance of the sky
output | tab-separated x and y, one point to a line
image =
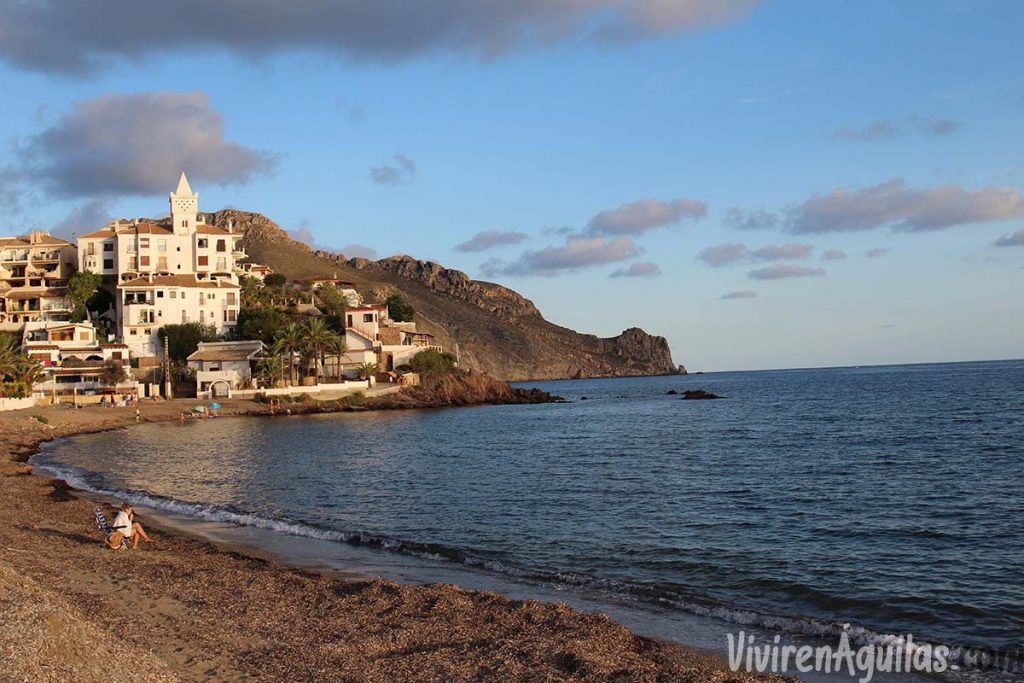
766	183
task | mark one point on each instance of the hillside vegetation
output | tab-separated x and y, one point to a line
493	329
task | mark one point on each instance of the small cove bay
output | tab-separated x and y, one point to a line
888	498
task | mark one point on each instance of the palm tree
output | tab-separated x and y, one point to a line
338	348
9	352
271	367
25	373
366	371
289	340
318	339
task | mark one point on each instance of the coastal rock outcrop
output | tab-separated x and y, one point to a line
491	328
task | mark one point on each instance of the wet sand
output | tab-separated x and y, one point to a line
180	608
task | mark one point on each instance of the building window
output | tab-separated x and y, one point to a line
108	246
231	299
222	264
145	260
133	332
161	246
222	245
367	317
108	264
229	315
159	294
204	260
144	243
173	294
132	245
203	243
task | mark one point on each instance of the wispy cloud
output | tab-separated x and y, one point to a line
783	271
137	144
489	239
84	218
751	219
894	204
359	251
396	173
1014	239
887	129
877	252
638	269
71	37
833	255
576	254
740	294
728	254
638	217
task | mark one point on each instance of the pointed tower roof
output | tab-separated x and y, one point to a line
183	188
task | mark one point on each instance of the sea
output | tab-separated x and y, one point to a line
878	502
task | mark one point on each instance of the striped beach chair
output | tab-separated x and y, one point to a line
104	527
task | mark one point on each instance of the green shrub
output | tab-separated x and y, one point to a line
41	419
431	362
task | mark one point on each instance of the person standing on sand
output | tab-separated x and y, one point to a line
130	529
138	415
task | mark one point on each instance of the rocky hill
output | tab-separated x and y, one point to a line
495	330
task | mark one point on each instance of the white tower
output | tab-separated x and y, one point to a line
184	207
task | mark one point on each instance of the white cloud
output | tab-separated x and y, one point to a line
137	144
72	36
784	270
647	214
576	254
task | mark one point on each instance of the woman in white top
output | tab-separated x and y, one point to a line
133	530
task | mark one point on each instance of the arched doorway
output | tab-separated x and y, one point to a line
220	388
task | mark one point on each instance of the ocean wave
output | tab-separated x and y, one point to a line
962	656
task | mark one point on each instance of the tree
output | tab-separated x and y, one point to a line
252	290
289	341
270	369
433	362
184	339
366	371
113	372
261	323
10	350
338	348
398	309
82	287
331	300
317	340
22	375
275	280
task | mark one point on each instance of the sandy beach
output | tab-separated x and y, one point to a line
181	608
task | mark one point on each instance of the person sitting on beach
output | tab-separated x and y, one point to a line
130	529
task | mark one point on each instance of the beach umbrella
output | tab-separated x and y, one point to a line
214	406
198	409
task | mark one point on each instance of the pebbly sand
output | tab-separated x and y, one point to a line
182	609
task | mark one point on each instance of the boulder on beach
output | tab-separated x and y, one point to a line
671	392
698	394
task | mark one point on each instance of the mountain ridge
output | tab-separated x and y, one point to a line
492	328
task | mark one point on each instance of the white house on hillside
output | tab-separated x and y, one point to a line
222	367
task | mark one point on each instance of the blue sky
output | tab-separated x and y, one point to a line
903	119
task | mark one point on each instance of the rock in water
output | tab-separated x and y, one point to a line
698	394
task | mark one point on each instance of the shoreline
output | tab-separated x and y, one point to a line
195	610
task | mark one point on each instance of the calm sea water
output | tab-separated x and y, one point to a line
885	497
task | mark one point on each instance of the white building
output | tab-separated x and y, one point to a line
34	272
221	367
167	273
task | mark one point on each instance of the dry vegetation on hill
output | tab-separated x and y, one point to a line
496	330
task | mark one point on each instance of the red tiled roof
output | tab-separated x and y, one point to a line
177	281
